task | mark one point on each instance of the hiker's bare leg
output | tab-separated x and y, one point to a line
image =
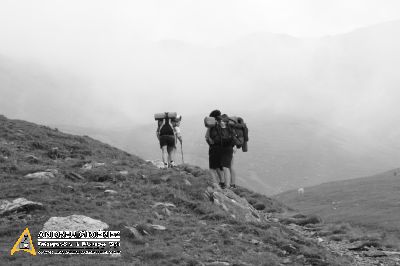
227	176
220	174
164	153
215	176
233	174
171	154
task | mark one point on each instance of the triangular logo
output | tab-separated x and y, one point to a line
24	243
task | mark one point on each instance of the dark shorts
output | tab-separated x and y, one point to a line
168	141
220	157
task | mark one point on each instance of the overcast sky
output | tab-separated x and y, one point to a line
107	44
209	22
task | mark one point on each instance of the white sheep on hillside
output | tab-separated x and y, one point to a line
300	191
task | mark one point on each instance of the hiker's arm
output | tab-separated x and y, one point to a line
158	130
178	134
208	138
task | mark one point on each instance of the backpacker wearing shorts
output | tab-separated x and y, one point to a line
165	123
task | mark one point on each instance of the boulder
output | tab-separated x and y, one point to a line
164	204
374	254
91	165
156	163
158	227
74	223
87	166
18	205
53	171
237	206
110	192
218	263
32	159
40	175
95	164
132	232
166	212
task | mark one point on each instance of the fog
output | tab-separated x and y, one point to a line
112	63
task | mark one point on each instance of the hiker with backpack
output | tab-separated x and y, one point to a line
241	140
225	135
168	132
214	154
220	138
178	136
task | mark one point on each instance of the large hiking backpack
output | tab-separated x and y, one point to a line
223	136
239	136
165	123
242	132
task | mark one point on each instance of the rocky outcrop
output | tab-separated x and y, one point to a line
89	166
41	175
74	176
110	192
18	205
74	223
156	163
235	205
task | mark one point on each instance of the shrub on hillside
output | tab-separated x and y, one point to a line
9	168
259	206
271	205
38	145
337	237
194	170
342	228
98	175
252	201
5	152
302	220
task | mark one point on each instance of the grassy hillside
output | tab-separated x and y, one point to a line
198	232
372	202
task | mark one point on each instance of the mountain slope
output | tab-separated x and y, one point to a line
81	170
373	202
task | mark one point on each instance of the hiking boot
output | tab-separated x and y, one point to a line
165	166
232	186
222	185
172	164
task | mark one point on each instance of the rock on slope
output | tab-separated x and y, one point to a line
165	216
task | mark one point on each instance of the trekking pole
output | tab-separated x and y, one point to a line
182	154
